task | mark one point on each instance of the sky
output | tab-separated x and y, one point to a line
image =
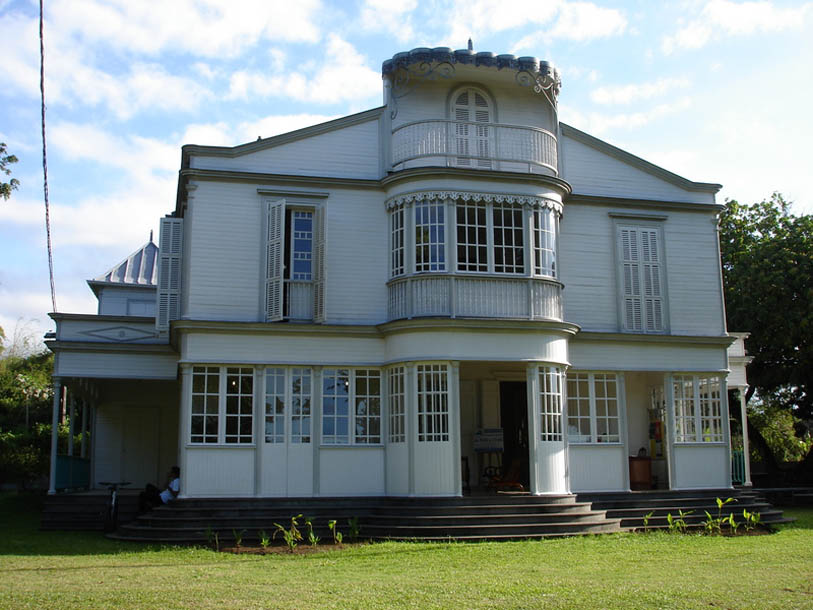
713	90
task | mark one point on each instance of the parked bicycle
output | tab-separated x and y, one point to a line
111	513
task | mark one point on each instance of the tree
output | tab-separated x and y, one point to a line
767	259
6	160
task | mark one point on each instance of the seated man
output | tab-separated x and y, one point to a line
151	497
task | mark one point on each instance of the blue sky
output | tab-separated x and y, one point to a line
714	90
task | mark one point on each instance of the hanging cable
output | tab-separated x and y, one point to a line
45	166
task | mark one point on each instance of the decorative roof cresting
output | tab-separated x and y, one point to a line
425	62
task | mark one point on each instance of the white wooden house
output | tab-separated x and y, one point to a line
392	302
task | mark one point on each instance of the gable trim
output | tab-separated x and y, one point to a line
683	206
637	162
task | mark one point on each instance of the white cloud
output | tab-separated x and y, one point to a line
225	134
204	28
625	94
597	123
389	16
340	76
725	18
585	21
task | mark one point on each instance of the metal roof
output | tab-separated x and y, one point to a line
138	269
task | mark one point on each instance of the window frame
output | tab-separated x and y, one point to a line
288	418
706	428
222	415
432	407
593	416
551	403
352	437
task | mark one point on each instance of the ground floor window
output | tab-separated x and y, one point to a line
351	406
698	408
397	396
592	407
550	403
288	390
222	409
433	402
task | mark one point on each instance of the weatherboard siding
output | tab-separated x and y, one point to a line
691	273
592	172
348	152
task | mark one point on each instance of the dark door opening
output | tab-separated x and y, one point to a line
514	420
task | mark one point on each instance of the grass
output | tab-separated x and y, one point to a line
658	570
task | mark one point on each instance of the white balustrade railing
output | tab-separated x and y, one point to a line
475	297
298	300
479	145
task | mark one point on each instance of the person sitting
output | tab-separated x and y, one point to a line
151	497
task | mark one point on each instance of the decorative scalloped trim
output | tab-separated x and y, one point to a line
537	202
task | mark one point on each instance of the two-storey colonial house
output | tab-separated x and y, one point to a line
399	301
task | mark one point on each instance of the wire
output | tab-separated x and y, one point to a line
45	165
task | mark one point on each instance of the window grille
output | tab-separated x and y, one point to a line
275	405
430	236
300	405
545	230
367	400
397	431
579	420
239	405
397	262
335	406
302	246
509	246
685	424
472	237
698	409
205	404
343	424
550	403
433	403
606	407
711	417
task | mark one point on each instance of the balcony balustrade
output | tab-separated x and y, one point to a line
298	300
475	297
475	145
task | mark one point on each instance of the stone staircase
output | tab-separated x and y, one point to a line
493	517
86	510
631	508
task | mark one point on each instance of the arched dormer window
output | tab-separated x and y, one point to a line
473	135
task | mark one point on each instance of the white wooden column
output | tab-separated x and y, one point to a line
316	426
85	407
454	425
71	427
746	449
411	407
184	425
54	433
669	427
532	388
726	424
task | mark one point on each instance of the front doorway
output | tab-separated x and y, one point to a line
514	423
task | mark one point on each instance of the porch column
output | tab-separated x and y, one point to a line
184	424
316	431
411	406
745	444
83	450
454	425
531	385
71	427
54	433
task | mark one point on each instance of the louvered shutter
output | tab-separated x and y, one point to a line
631	279
651	271
482	114
274	259
170	249
472	114
319	264
461	117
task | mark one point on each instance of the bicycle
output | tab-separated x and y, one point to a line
111	513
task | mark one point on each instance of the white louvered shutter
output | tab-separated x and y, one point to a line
631	279
651	271
170	249
274	259
472	115
319	264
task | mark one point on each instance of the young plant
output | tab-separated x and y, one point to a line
265	539
752	520
212	538
353	524
679	525
313	539
337	535
290	535
238	537
732	523
647	517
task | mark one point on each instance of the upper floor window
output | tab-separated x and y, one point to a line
641	278
472	115
294	261
430	236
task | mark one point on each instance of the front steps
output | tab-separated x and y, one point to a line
85	510
632	507
495	517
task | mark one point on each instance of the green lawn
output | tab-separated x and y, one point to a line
82	570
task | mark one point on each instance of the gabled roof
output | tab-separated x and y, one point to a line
140	269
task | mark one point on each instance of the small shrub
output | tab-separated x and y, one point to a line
337	535
313	539
265	539
238	537
290	535
647	517
355	530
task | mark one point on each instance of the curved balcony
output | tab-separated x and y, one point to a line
474	145
475	297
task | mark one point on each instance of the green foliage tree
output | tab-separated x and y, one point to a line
5	161
767	259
